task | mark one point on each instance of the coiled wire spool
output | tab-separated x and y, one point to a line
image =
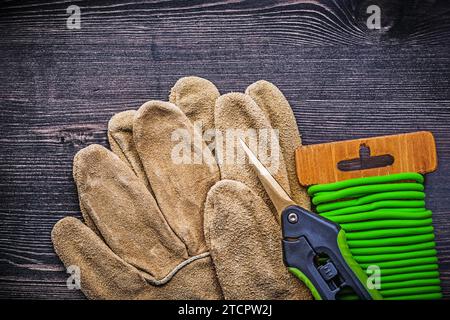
388	226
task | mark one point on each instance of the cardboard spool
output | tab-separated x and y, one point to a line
367	157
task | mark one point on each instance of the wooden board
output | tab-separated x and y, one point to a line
324	163
59	87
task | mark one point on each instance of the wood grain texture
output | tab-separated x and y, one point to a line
59	87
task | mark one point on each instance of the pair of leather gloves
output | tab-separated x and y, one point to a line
155	229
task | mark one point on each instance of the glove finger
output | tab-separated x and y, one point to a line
245	244
124	212
120	137
104	275
239	111
196	98
179	184
274	104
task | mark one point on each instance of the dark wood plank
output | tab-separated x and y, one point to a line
59	87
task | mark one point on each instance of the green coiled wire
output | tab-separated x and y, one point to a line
322	197
393	249
395	256
390	241
387	225
410	195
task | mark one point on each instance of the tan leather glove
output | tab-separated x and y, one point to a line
241	226
247	269
141	242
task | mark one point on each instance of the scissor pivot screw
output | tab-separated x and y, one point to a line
292	217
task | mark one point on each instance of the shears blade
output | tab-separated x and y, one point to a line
277	194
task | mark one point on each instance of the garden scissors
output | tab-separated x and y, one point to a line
314	248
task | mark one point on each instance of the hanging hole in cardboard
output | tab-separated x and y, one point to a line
365	160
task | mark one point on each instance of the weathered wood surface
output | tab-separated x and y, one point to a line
59	87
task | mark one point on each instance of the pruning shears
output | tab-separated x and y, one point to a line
314	248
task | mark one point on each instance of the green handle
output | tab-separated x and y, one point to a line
306	281
353	265
360	274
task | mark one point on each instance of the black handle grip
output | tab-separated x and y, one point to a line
307	236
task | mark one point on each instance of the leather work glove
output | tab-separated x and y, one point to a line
241	225
141	242
143	237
